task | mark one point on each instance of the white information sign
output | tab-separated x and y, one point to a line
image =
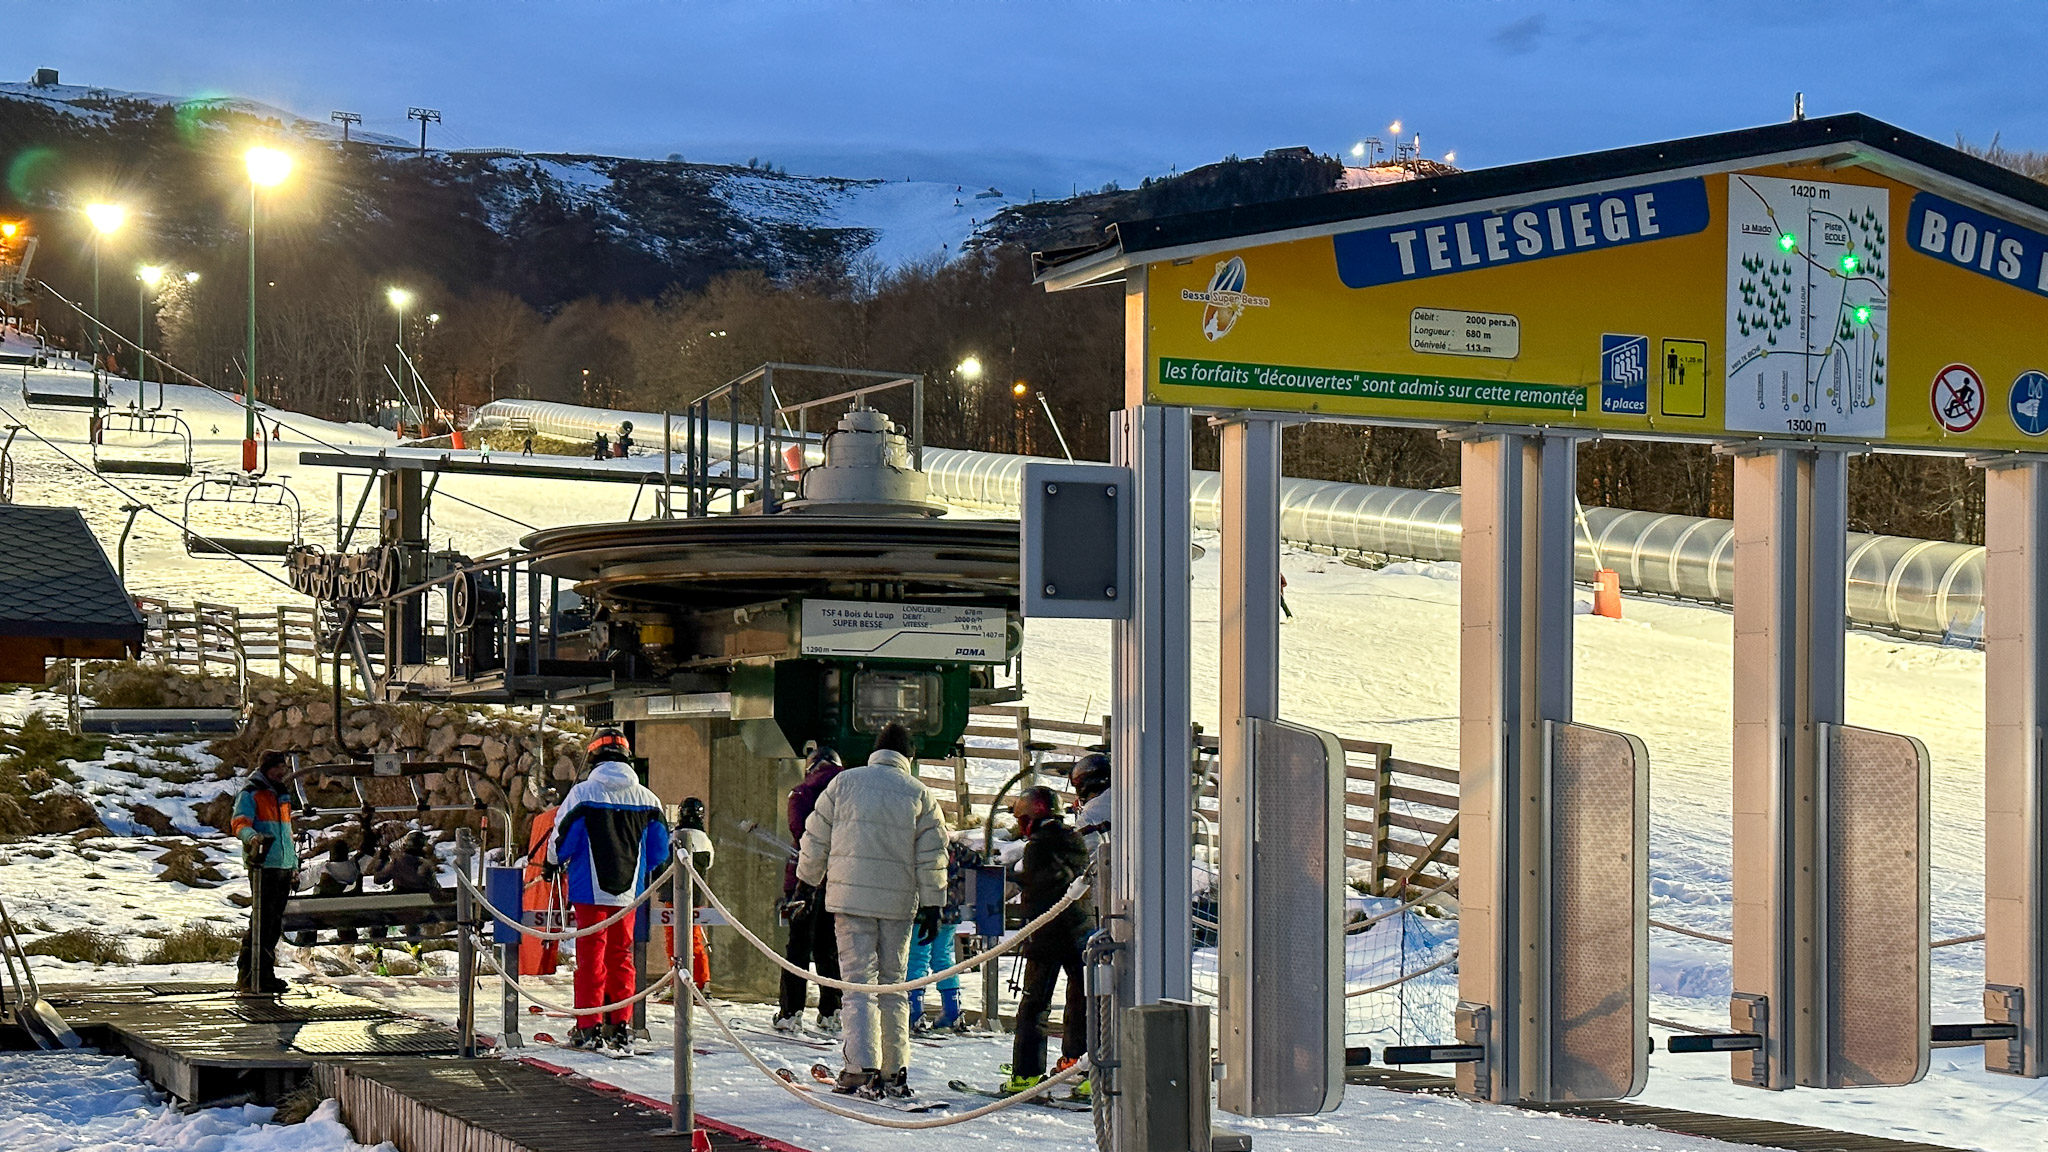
1807	273
944	632
1454	332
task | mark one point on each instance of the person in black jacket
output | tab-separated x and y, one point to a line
1053	856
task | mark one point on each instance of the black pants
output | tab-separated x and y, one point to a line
269	888
1027	1055
813	943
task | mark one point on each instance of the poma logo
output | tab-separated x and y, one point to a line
1225	299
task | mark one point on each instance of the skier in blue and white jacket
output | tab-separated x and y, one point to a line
610	840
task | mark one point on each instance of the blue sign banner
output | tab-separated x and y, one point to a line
1624	373
1982	243
1425	248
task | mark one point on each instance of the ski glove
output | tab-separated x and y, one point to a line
927	924
257	849
801	901
552	872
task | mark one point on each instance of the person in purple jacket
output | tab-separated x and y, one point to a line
813	939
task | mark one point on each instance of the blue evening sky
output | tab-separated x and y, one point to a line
1050	93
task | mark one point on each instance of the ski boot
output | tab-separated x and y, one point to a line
828	1023
585	1037
1016	1084
950	1018
865	1082
918	1024
1082	1088
618	1038
898	1085
791	1023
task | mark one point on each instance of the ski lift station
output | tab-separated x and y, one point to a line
1791	295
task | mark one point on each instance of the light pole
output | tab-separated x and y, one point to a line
106	220
268	168
150	275
401	299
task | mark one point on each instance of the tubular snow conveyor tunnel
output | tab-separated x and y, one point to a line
1896	584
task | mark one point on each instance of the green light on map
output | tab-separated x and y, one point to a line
1848	263
1863	314
1787	241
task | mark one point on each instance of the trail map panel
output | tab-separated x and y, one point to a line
1807	315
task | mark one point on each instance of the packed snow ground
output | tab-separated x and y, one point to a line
1368	654
86	1102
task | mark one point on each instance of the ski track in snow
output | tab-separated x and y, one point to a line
1368	654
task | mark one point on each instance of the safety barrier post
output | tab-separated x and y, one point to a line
465	945
684	986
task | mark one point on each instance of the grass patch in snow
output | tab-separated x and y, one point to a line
76	945
196	943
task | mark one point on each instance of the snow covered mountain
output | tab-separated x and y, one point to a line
704	214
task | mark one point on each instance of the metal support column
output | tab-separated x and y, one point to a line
1248	690
1791	512
2015	783
1515	673
1152	738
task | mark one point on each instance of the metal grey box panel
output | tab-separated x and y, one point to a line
1598	923
1290	991
1875	908
1077	541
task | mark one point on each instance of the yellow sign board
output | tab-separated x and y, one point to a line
1833	303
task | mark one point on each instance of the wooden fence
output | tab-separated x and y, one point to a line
204	638
1401	817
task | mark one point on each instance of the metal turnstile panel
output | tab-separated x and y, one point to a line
1874	908
1287	990
1598	922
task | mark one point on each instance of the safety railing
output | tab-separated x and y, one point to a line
204	638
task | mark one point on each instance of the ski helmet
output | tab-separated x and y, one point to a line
692	814
1033	805
1090	775
609	744
820	756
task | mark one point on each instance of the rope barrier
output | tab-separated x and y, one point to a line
822	1105
1402	979
1675	1026
1075	891
1368	922
1692	932
653	886
491	966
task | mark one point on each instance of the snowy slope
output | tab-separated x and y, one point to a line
86	1102
903	221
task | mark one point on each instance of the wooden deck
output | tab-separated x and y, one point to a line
397	1077
1731	1129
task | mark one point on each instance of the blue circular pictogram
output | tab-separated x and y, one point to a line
2029	403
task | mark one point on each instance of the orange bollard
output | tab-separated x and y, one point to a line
1607	593
455	438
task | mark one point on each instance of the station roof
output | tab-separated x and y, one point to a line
55	580
1835	141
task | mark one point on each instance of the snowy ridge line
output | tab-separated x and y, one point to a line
1075	891
1897	584
1078	1068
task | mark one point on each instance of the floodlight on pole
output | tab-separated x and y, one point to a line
151	275
267	168
969	369
106	219
8	229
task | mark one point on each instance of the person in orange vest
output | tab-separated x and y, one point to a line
543	893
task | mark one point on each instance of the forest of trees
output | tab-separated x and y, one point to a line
664	293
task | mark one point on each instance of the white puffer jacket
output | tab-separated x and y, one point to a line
877	842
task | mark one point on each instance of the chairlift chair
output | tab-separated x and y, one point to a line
93	400
252	499
142	442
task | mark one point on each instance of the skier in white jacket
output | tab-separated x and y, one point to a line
877	842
